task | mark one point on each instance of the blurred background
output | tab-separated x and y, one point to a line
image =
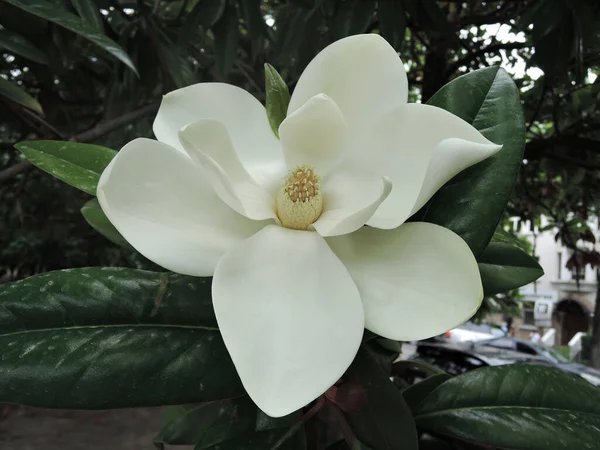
61	78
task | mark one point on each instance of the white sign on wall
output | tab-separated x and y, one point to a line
542	312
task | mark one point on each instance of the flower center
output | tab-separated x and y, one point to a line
300	201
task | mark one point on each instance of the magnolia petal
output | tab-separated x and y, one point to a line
416	281
385	149
208	144
455	144
406	143
451	157
350	200
161	203
244	117
362	74
290	316
315	135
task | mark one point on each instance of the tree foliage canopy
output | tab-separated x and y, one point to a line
94	71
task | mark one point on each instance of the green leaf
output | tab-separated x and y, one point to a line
438	19
517	406
79	165
212	423
415	394
18	45
504	265
208	424
204	14
100	338
392	21
472	203
14	93
176	64
93	214
352	17
278	98
385	421
407	364
263	440
88	11
65	19
255	25
225	31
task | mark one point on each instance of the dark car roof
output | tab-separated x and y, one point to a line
490	355
479	347
495	338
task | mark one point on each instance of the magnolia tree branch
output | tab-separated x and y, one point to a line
474	54
90	135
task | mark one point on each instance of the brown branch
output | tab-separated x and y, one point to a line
7	174
537	146
35	121
479	20
90	135
473	55
104	128
538	106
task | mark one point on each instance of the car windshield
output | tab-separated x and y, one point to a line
550	353
482	328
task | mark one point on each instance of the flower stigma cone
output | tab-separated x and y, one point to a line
300	201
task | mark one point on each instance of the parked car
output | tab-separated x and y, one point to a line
550	354
459	358
472	332
463	357
456	358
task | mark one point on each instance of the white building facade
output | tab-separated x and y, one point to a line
561	299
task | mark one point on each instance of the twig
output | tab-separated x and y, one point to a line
473	55
305	418
104	128
7	174
349	435
88	136
538	107
35	121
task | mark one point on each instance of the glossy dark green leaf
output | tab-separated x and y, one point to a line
438	19
93	214
392	21
407	364
15	94
504	265
278	98
385	421
225	31
212	423
209	423
515	406
63	18
176	65
415	394
79	165
101	338
204	15
352	17
18	45
254	23
89	12
472	203
262	440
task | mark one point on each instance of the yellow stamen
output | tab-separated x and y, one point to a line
300	201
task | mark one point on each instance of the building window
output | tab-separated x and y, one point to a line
559	265
578	274
528	318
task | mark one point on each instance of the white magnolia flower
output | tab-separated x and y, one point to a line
279	223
